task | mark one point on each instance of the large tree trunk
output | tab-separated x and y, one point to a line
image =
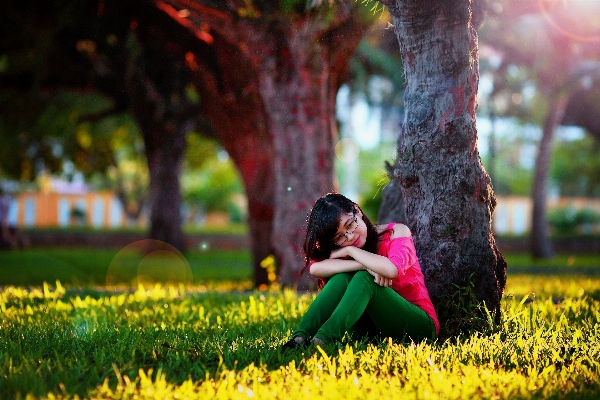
448	195
295	64
299	81
300	101
541	244
254	156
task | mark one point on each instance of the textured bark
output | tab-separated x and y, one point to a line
300	102
541	244
299	83
392	201
448	195
292	67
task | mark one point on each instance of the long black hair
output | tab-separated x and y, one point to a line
323	223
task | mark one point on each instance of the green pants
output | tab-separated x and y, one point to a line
351	302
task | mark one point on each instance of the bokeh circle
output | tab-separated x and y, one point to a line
148	262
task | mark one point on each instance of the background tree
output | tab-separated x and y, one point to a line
272	74
120	50
276	66
448	195
575	168
552	47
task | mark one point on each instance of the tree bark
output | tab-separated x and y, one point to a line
392	201
541	244
448	195
299	81
164	151
300	102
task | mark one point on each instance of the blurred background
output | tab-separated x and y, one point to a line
74	166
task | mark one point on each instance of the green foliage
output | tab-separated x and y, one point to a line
371	201
49	129
294	6
177	342
373	6
575	167
211	179
31	129
198	151
567	220
377	55
510	176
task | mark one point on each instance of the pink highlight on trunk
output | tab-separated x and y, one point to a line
472	106
190	60
411	58
321	163
309	111
458	94
473	148
444	117
476	194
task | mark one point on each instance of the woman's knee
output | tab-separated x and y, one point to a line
366	279
341	277
363	275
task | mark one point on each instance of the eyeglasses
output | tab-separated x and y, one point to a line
344	237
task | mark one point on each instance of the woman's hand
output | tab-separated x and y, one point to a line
379	279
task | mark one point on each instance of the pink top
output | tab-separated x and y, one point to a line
410	283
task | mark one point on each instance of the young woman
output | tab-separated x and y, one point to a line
374	286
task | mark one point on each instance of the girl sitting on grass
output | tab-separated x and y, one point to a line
373	284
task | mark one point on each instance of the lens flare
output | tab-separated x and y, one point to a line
576	19
148	262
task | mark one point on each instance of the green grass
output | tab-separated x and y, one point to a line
204	338
177	342
560	263
89	267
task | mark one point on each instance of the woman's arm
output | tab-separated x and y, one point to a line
350	258
332	266
376	263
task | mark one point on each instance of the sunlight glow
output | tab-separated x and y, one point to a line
576	19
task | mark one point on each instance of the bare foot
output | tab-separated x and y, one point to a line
318	342
299	339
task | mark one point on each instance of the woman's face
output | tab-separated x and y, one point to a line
352	230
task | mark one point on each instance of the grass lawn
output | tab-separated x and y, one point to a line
188	341
90	267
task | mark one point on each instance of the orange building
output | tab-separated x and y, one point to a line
51	209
